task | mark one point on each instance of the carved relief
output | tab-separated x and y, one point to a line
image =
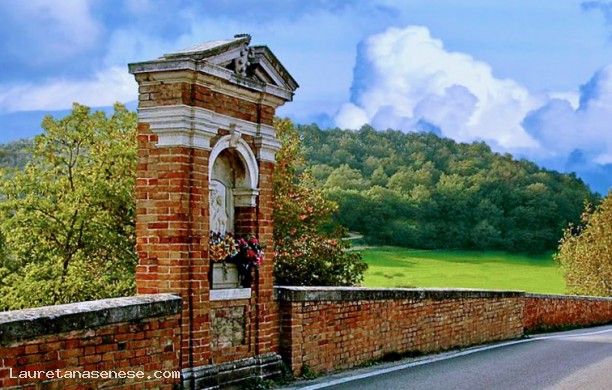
228	327
235	135
241	63
219	215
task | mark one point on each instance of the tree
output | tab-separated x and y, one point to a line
306	254
346	178
585	253
379	177
67	218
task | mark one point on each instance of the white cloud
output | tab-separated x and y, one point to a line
64	27
298	33
562	128
352	117
573	97
107	87
404	76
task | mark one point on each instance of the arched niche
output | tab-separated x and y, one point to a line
233	178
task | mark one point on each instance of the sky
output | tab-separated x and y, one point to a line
531	78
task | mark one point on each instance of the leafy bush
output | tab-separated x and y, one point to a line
306	255
585	253
67	217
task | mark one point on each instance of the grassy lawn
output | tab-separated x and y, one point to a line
399	267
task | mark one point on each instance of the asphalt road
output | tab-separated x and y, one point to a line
573	360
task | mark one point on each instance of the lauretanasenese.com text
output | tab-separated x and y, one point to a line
104	374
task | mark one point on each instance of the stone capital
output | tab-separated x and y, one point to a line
245	197
267	146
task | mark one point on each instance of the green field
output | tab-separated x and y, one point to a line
399	267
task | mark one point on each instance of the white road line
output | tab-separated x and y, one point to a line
561	336
441	358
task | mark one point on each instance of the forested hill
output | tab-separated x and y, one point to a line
421	191
16	153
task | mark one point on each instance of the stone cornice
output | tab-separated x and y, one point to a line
245	197
182	70
179	126
193	127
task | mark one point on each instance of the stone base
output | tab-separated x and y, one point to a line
225	276
232	375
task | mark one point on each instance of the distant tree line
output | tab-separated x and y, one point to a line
15	154
421	191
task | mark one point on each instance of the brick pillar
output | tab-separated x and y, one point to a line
171	229
267	307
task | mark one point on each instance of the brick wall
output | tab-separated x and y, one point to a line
267	318
334	328
323	328
201	96
558	311
139	334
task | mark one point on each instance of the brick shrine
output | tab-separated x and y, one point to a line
206	142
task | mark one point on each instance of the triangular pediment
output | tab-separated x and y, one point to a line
256	63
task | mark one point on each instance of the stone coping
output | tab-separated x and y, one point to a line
307	294
32	323
572	297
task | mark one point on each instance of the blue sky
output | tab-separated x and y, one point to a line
533	78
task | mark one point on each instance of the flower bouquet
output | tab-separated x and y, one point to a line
246	253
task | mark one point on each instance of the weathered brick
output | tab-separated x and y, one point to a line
327	335
557	311
63	351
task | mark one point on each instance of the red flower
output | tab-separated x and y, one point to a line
229	246
259	260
